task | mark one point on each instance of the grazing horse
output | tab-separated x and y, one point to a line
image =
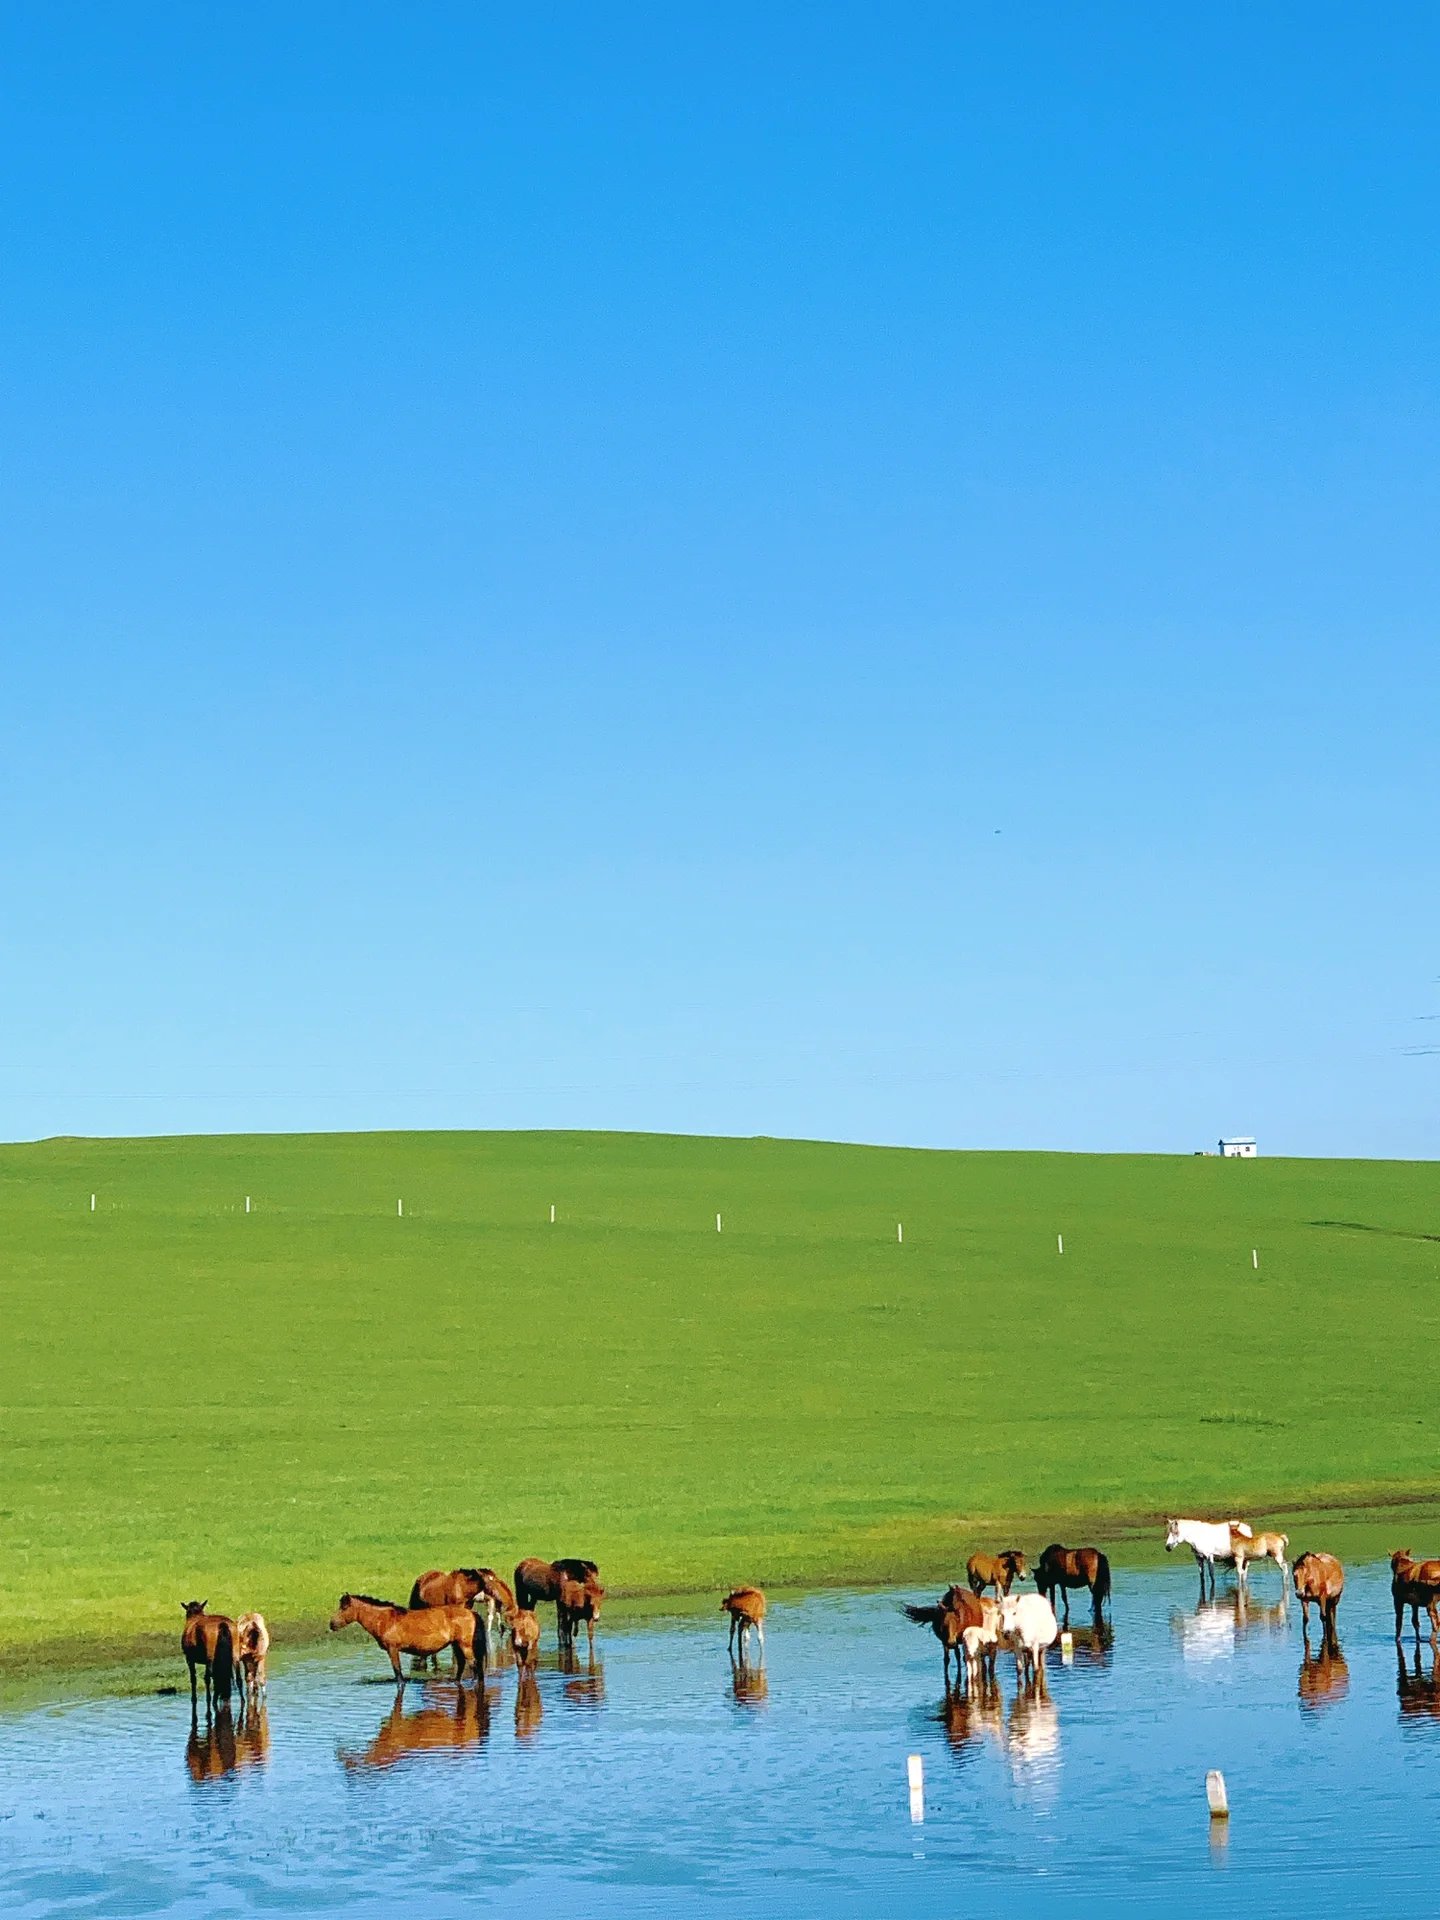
252	1643
414	1630
537	1580
1414	1584
524	1637
746	1608
578	1600
1319	1577
956	1610
1061	1568
208	1640
998	1570
1028	1623
1247	1547
1209	1540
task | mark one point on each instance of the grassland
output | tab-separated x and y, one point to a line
265	1408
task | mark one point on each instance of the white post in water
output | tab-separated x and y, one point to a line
1255	1258
899	1233
399	1209
1060	1243
92	1203
717	1223
915	1774
1216	1795
552	1216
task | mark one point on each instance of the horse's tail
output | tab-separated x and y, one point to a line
1101	1588
222	1667
922	1616
415	1600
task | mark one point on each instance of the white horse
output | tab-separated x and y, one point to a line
1027	1620
1210	1541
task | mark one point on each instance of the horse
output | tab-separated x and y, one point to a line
1209	1541
1246	1547
998	1570
1319	1578
252	1643
981	1644
577	1600
540	1579
456	1589
208	1640
1414	1584
414	1630
524	1637
1028	1623
956	1610
1061	1568
746	1608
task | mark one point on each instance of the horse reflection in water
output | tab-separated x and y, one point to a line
1324	1676
584	1682
223	1744
1091	1646
451	1725
1210	1632
1032	1741
972	1718
529	1707
1417	1685
749	1686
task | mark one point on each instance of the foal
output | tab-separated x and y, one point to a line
746	1608
252	1643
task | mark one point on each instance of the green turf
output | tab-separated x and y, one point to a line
263	1409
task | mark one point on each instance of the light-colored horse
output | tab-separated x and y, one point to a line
1247	1547
1210	1541
1027	1620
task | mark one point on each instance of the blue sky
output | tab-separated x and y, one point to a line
867	573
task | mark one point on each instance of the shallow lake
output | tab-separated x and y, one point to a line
659	1783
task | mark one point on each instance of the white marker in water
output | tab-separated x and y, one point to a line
915	1774
1216	1795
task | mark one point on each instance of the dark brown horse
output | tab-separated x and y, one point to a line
1319	1580
537	1580
414	1630
1415	1584
1060	1569
208	1640
998	1570
956	1610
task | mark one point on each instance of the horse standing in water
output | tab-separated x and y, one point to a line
208	1640
1319	1579
1413	1583
1209	1540
415	1630
956	1610
1061	1568
746	1608
998	1570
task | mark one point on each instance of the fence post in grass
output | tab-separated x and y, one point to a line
247	1203
399	1209
1255	1258
552	1216
1060	1243
899	1234
717	1223
92	1203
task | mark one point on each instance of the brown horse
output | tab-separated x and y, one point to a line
998	1570
956	1610
1062	1568
537	1580
456	1589
1415	1584
414	1630
252	1645
746	1608
524	1637
578	1600
226	1745
1319	1579
208	1640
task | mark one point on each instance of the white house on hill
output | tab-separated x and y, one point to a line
1240	1146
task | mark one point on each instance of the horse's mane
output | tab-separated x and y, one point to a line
371	1601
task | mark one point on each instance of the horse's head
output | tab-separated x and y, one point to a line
343	1614
1015	1561
1009	1612
1400	1554
1172	1535
193	1607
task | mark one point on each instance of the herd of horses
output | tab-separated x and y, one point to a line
459	1610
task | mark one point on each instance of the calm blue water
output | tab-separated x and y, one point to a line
657	1786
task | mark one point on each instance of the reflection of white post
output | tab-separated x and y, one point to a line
1060	1243
1255	1258
552	1216
915	1774
399	1209
717	1223
92	1203
899	1233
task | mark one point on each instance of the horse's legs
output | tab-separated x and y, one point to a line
1065	1598
395	1666
590	1636
189	1661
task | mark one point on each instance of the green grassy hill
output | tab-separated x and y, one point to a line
263	1408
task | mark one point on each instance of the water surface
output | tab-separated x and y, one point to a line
664	1782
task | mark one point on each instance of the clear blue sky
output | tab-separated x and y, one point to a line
836	570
